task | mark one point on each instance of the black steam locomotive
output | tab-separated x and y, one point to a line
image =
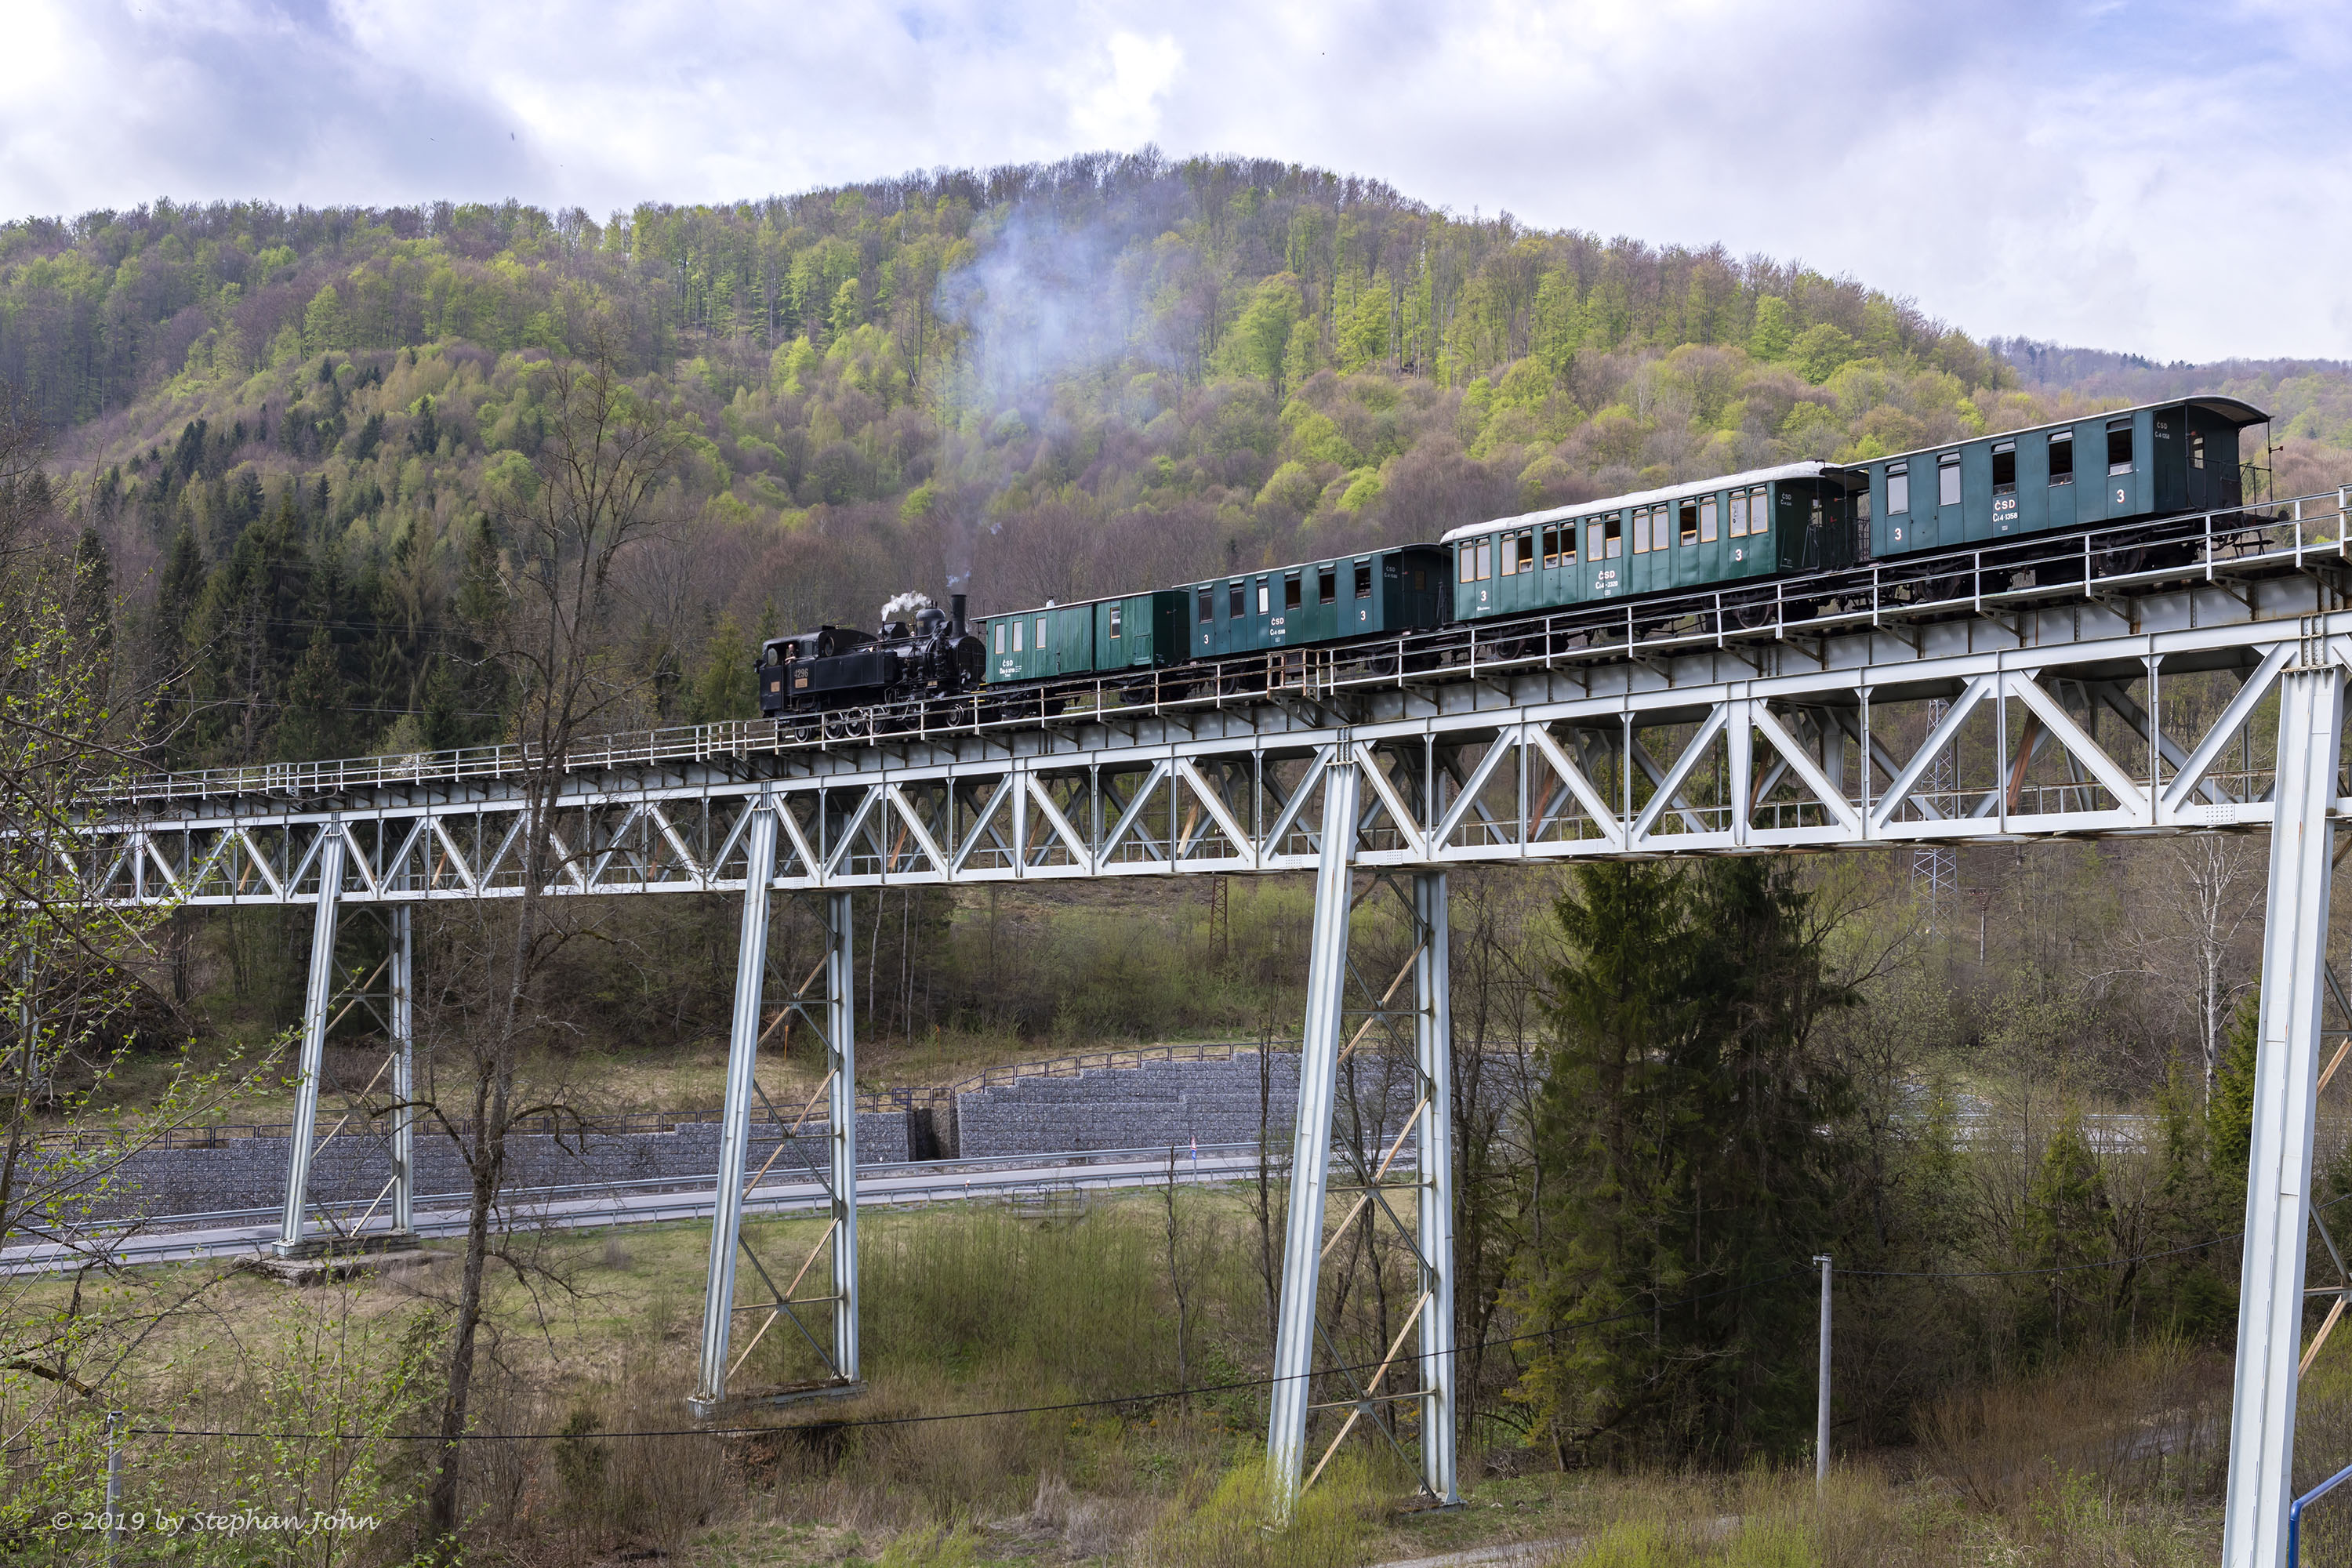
921	650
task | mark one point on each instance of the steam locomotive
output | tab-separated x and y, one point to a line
920	651
2112	472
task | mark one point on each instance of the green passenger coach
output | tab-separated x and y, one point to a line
1131	631
1795	518
1318	600
2156	460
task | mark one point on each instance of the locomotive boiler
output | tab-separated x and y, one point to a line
919	651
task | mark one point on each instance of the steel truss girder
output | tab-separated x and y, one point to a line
1793	757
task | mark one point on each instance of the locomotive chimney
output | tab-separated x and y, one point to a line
955	615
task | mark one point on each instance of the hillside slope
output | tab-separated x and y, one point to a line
287	431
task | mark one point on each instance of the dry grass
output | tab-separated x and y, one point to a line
1863	1519
2113	1462
2152	1420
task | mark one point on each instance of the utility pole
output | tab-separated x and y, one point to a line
1821	1404
113	1484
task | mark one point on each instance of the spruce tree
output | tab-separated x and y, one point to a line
2068	1224
93	590
1690	1168
315	724
2231	1116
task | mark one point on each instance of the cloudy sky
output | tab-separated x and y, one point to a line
2166	178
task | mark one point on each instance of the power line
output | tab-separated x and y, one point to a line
1153	1398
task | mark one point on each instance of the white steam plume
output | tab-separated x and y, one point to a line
902	607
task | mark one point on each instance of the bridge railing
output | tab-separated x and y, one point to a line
1997	577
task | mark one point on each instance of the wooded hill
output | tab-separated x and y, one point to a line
288	431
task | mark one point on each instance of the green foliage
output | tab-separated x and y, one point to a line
2230	1117
2068	1226
1260	341
1681	1122
1772	335
1224	1522
872	374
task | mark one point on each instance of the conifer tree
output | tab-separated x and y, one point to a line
1690	1173
2067	1224
2230	1117
314	725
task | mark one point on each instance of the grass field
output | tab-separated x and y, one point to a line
975	1310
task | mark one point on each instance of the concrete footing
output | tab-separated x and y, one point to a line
342	1260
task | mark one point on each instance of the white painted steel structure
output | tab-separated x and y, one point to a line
2069	703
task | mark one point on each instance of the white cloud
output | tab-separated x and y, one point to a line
1124	111
2160	178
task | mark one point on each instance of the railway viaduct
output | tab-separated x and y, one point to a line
1995	701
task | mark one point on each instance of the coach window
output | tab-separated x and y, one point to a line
1327	585
999	636
1641	531
1898	488
2119	446
1291	589
1689	523
1208	605
1510	553
2197	448
1486	552
1948	480
1706	519
2062	457
1114	619
1739	524
1524	549
1613	542
1020	631
1040	633
1364	579
1234	603
1265	596
2004	469
1759	513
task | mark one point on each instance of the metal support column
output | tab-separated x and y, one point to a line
1434	1046
840	1061
403	1074
1319	1072
735	1121
2278	1179
319	994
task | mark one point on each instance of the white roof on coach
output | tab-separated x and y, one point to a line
1805	471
